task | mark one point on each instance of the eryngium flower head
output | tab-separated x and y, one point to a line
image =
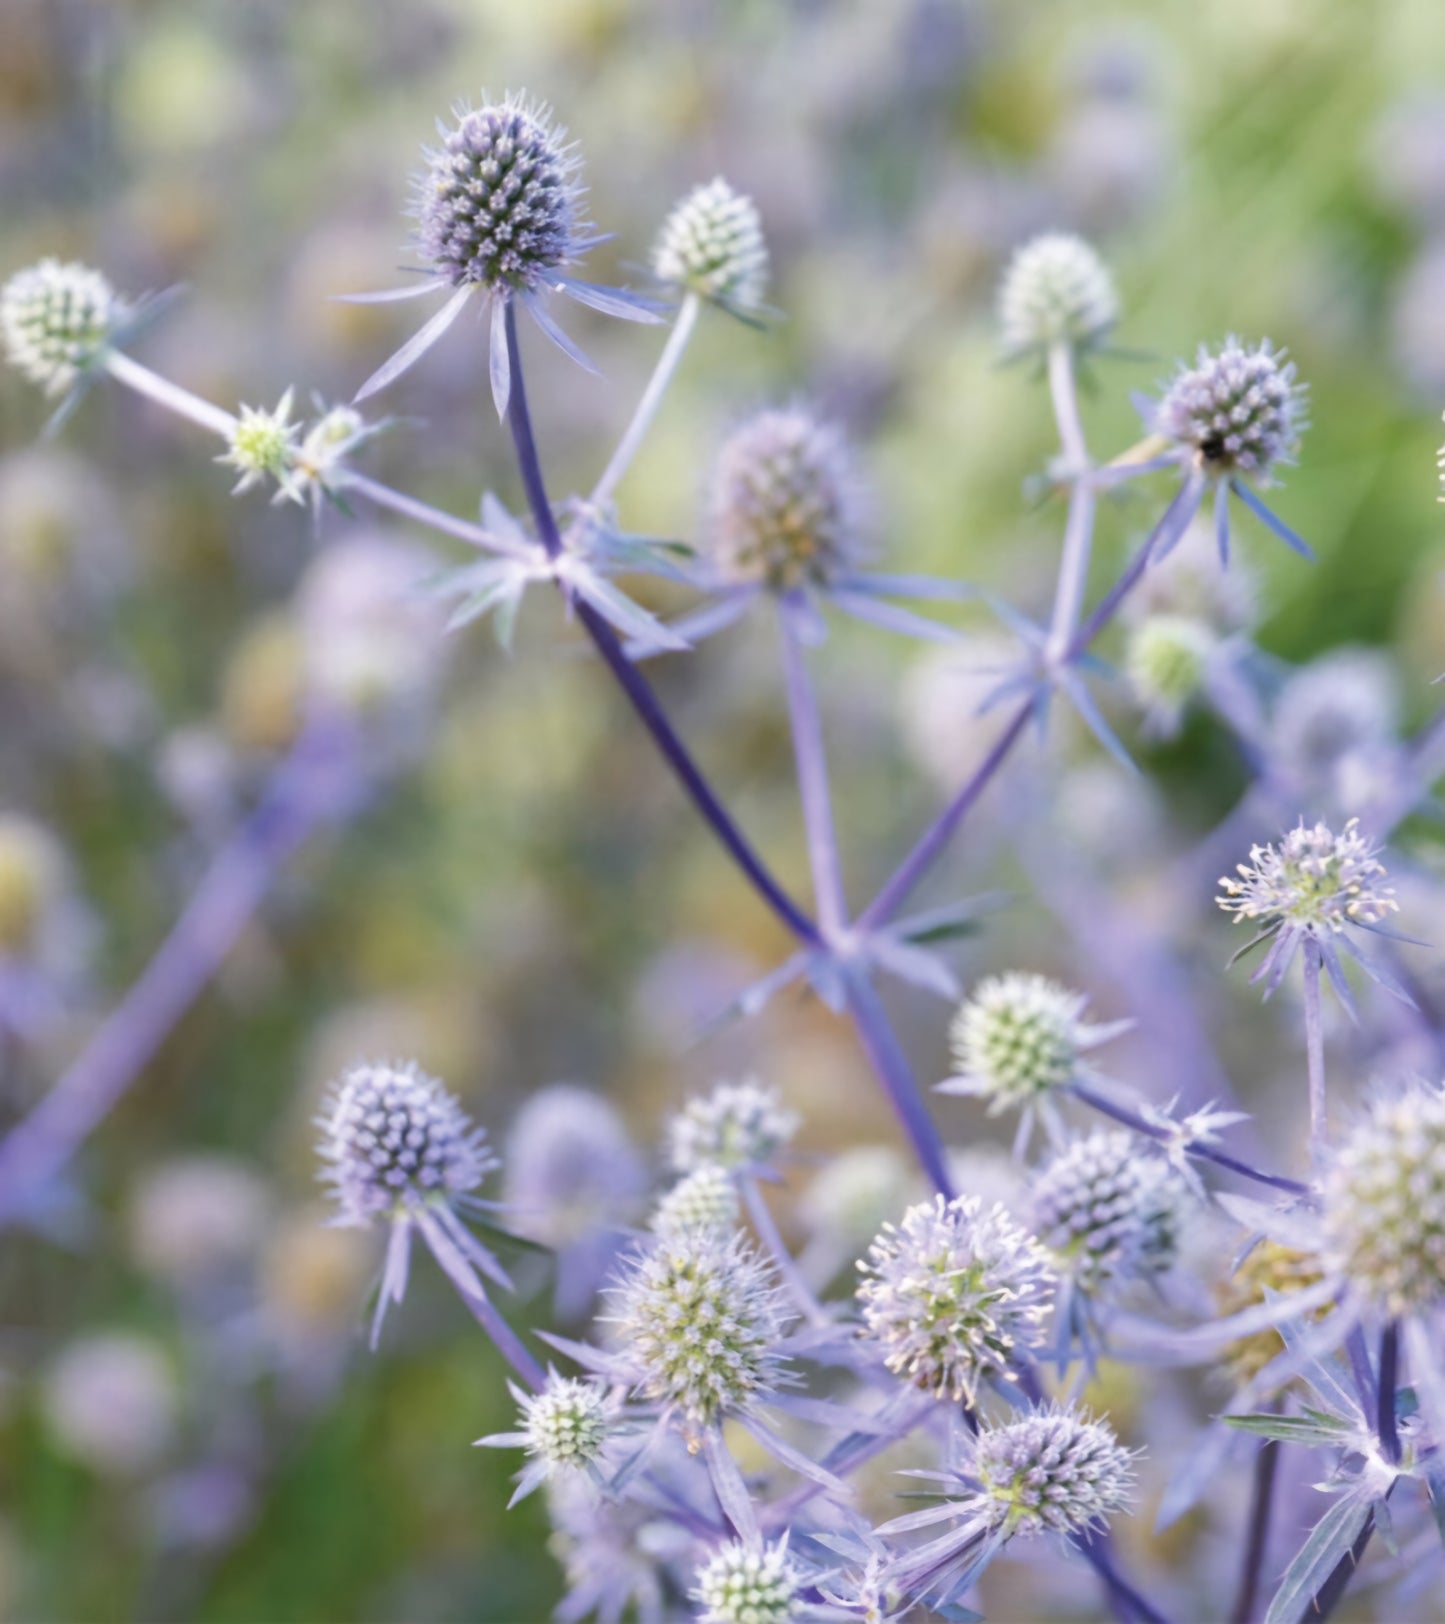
1166	660
1107	1210
1056	290
712	245
1384	1202
746	1582
1314	881
955	1293
785	508
699	1318
1239	411
1054	1471
1016	1037
737	1125
565	1425
707	1198
263	444
497	204
394	1138
56	321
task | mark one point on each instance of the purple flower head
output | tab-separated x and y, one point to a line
737	1125
1055	1471
699	1318
956	1294
749	1582
394	1139
1236	410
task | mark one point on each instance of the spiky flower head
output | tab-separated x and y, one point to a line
1054	1471
263	444
56	320
785	507
712	244
749	1582
1108	1211
1166	661
1269	1266
1384	1202
955	1292
394	1139
1239	411
1314	881
699	1317
565	1425
736	1125
1056	290
707	1198
1016	1037
497	203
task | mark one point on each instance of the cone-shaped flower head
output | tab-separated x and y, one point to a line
699	1317
746	1582
1054	1471
565	1425
785	507
1018	1036
394	1138
1107	1210
712	244
1166	661
1314	881
1384	1203
1056	290
707	1198
736	1125
955	1293
497	204
56	320
1239	411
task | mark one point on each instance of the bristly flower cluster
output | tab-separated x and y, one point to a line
706	1198
712	245
1311	888
563	1429
737	1125
748	1582
956	1294
1056	290
56	321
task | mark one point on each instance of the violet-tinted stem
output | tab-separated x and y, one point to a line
1261	1508
303	796
169	395
1126	1602
1386	1423
1079	526
769	1234
482	1309
629	678
1328	1596
889	1062
813	790
1141	1124
1360	1368
1314	1047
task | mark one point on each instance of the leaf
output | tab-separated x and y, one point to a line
1331	1538
1292	1428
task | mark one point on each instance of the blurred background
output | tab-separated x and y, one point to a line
190	1425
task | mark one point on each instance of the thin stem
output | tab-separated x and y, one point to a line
302	796
1126	1602
1386	1424
1364	1376
1261	1508
813	791
1079	526
1206	1153
889	1062
424	513
631	441
631	680
1314	1047
769	1235
170	395
1330	1593
482	1309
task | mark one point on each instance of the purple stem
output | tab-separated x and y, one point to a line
1206	1153
632	682
302	796
1261	1507
1314	1047
831	903
1386	1423
1328	1596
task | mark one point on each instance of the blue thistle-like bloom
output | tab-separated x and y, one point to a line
699	1318
56	321
749	1582
1056	290
397	1147
497	210
737	1125
712	244
707	1198
1313	888
1055	1470
1233	417
1383	1203
564	1429
614	1552
956	1293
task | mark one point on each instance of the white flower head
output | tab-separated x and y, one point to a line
1056	290
712	244
737	1125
